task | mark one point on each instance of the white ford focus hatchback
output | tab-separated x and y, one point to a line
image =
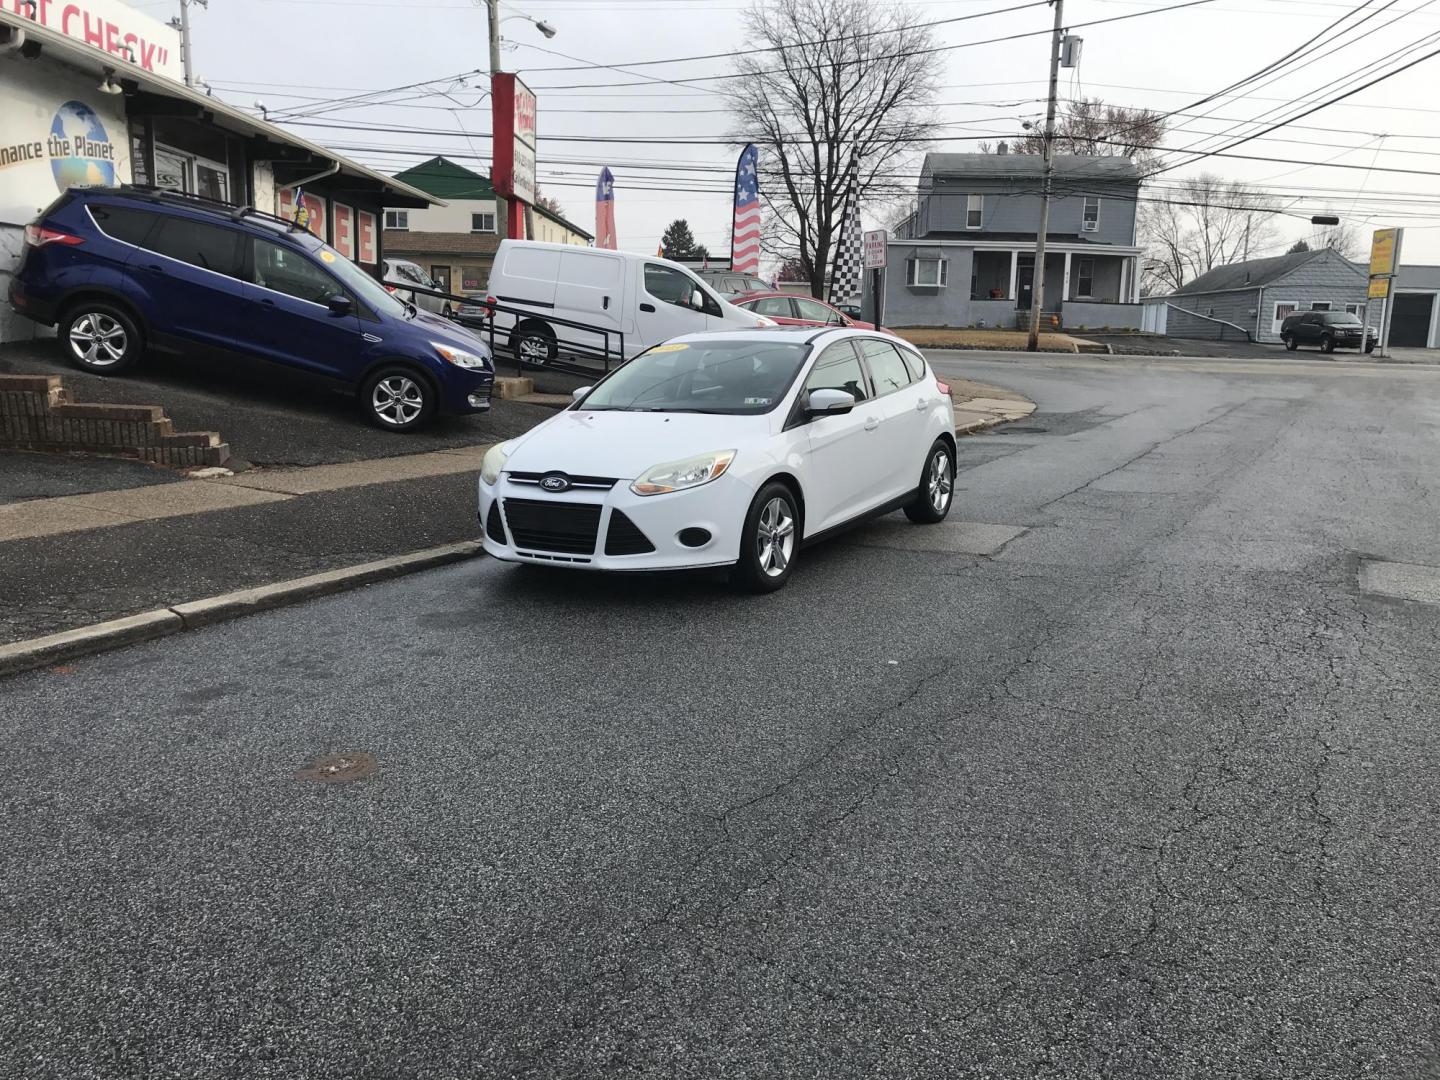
732	449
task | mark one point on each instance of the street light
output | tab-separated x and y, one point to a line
493	10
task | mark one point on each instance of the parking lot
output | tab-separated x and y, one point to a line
1143	777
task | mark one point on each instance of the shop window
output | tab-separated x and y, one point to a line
482	223
397	219
926	273
474	278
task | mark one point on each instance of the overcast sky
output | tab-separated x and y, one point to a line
289	53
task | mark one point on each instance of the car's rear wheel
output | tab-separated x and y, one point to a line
1290	344
397	399
100	338
769	541
936	492
534	346
1327	344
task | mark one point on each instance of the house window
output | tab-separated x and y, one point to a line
473	278
1090	221
974	211
482	222
1320	305
1354	309
1283	310
1085	278
397	219
926	273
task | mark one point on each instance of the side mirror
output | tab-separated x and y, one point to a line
697	300
340	304
578	394
828	402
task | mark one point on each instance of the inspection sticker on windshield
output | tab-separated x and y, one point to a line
326	256
757	401
675	347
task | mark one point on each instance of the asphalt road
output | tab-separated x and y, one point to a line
1150	792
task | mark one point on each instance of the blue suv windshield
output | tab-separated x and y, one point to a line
359	282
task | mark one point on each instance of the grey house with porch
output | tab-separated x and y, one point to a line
1251	299
966	255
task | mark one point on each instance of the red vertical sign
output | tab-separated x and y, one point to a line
366	233
344	230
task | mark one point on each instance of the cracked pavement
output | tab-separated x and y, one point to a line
1152	792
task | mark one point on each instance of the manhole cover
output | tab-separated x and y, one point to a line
340	768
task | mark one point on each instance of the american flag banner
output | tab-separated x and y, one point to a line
605	210
745	238
849	253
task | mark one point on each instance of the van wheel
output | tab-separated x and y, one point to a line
534	346
397	399
100	338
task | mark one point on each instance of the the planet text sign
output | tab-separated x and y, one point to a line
111	27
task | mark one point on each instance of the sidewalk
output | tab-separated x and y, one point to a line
74	560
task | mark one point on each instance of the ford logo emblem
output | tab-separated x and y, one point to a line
554	482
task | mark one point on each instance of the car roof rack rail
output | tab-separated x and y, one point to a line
235	211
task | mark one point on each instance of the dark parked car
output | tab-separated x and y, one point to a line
1327	330
731	283
122	270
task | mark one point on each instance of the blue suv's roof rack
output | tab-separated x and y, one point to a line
233	211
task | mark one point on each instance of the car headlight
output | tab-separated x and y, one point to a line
494	462
678	475
459	357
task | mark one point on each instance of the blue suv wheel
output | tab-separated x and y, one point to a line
100	337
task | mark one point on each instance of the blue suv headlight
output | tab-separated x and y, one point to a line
460	358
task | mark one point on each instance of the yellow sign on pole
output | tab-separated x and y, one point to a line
1379	288
1382	252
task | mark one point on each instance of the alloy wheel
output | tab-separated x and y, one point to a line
942	484
775	537
397	400
534	349
98	339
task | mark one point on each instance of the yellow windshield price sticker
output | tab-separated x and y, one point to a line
678	346
327	256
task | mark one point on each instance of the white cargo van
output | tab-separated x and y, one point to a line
645	298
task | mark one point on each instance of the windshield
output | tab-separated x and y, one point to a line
734	377
359	282
1343	319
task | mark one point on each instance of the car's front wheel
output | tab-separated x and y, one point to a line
1327	344
397	399
100	338
936	492
1290	343
769	541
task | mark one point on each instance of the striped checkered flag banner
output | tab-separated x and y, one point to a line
849	254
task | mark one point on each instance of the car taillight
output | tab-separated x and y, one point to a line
943	387
39	236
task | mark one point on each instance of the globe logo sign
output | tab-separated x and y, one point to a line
80	149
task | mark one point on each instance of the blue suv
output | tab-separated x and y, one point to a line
121	270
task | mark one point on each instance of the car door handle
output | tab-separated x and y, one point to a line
922	404
648	307
871	423
155	268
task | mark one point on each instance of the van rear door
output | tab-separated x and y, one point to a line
590	289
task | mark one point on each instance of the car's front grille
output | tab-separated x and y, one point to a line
624	537
548	525
590	483
494	527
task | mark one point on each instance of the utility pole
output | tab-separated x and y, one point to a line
183	25
502	215
1037	287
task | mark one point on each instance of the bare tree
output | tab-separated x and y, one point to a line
1342	238
1091	128
833	104
1205	223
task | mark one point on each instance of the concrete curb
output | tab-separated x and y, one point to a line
54	648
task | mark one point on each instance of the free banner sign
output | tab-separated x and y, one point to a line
874	243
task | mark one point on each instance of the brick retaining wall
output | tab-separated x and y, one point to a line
36	414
